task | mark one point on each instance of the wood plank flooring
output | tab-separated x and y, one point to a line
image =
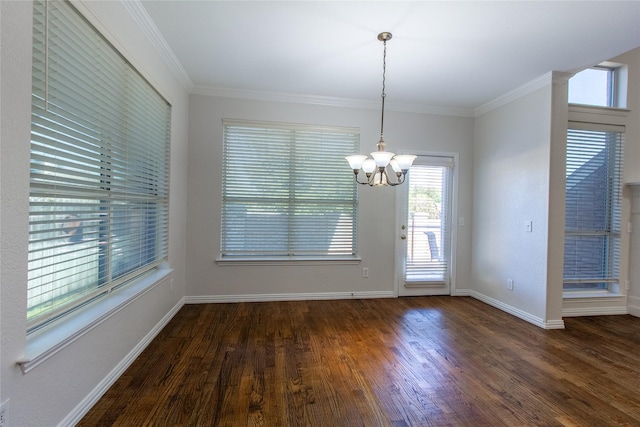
419	361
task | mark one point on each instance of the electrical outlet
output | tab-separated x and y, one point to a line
365	272
510	284
3	414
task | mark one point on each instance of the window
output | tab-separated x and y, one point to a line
593	86
288	191
98	206
593	198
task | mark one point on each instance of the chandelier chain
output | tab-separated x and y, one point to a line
383	95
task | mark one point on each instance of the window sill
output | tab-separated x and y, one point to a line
597	109
41	345
289	261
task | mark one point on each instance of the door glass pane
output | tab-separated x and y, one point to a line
427	230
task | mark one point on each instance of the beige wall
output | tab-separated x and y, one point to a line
511	187
508	171
404	132
57	388
632	173
519	155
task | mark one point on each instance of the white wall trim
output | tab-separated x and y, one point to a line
92	398
635	194
144	21
593	311
595	306
212	299
209	299
545	324
44	344
328	101
633	302
526	89
241	262
554	324
634	306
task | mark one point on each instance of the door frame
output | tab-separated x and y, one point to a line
401	197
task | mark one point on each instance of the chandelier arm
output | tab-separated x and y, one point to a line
363	182
400	178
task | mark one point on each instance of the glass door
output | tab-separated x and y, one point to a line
425	232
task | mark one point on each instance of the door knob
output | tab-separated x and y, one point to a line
403	237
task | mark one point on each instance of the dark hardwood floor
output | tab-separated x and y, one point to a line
425	361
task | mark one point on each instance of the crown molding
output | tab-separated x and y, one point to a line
144	21
327	101
526	89
142	18
559	77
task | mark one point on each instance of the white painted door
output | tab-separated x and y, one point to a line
423	260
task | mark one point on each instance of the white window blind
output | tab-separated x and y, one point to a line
98	213
287	191
428	222
593	196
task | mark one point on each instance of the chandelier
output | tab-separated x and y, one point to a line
383	168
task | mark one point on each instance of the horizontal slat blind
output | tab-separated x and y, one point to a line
286	190
99	167
593	195
428	226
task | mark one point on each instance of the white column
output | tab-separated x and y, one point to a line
634	256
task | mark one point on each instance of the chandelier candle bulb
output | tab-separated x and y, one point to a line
380	160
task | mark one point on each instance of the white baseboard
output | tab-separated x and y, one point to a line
548	324
634	306
208	299
596	306
85	405
594	311
92	398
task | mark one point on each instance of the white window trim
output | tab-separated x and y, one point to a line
347	260
275	259
138	278
45	343
608	116
595	114
586	294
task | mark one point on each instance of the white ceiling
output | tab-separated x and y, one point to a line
451	54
